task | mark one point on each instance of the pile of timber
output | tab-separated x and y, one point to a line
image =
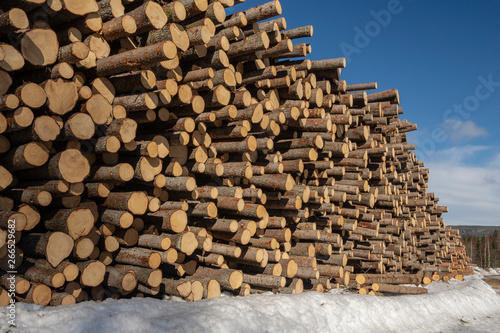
167	148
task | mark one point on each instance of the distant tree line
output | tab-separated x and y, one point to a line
484	250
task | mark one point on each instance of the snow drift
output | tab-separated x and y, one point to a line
469	306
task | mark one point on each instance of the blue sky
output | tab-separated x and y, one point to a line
444	58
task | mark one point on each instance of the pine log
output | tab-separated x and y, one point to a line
396	289
39	294
415	279
13	60
135	202
61	96
62	299
184	242
136	59
120	278
148	16
40	47
145	276
92	273
118	27
75	222
21	285
31	95
180	288
30	155
55	246
228	279
138	257
171	32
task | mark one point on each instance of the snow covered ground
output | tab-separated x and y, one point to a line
483	272
469	306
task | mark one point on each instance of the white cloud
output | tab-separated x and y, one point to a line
456	154
459	130
471	192
495	163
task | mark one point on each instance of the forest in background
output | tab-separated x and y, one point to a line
482	244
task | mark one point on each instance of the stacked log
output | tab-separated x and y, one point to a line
152	148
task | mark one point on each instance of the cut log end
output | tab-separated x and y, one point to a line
41	294
178	221
59	247
236	279
32	95
93	274
73	166
40	47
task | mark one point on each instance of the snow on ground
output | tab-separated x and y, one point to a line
469	306
484	272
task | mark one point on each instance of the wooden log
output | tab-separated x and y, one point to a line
55	246
171	32
75	222
128	82
361	86
134	202
92	273
146	276
301	32
40	47
159	242
283	182
180	288
169	256
20	284
62	299
229	279
61	96
391	95
118	27
6	178
13	60
327	64
124	129
25	5
33	154
148	16
136	58
39	294
31	94
69	165
5	81
9	102
253	43
73	53
47	276
137	102
109	9
264	281
79	126
396	289
199	35
83	248
120	278
263	12
118	218
184	242
30	196
168	220
119	172
138	257
415	279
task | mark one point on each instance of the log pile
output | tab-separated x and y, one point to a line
167	148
